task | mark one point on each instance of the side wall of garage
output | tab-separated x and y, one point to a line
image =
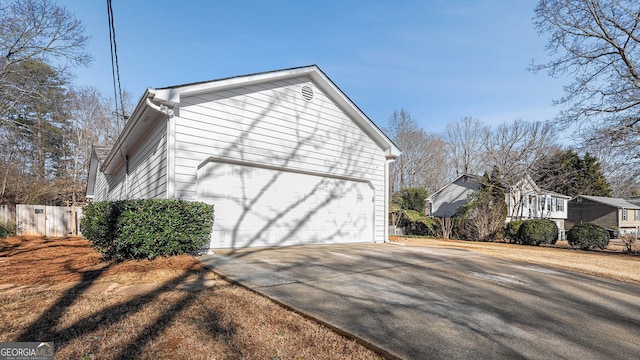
273	129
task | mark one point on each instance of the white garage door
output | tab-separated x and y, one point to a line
256	206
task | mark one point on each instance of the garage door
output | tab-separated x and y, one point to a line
259	206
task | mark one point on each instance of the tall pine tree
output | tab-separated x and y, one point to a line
567	173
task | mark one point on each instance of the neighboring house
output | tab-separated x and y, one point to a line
446	201
285	157
604	211
525	200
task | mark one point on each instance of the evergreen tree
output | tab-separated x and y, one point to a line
565	172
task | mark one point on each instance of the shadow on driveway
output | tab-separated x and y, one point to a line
411	302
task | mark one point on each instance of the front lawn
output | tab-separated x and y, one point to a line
610	263
170	308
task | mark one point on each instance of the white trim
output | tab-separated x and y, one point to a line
387	198
277	168
171	157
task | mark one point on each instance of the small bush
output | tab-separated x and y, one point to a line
7	229
417	223
512	229
538	231
629	242
4	232
141	229
413	222
588	236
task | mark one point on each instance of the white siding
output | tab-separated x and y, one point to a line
272	124
147	177
101	188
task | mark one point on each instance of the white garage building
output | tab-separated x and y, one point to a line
285	157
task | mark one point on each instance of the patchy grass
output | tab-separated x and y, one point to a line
611	263
171	308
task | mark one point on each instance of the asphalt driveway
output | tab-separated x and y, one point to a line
437	303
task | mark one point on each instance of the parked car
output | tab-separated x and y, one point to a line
613	233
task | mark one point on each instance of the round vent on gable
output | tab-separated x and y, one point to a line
307	93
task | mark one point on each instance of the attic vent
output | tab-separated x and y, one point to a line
307	93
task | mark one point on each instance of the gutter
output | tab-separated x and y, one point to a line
133	120
388	160
144	103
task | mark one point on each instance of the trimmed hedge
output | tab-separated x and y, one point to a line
588	236
145	229
538	231
512	230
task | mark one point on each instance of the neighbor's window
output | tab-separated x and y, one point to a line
624	214
559	205
636	216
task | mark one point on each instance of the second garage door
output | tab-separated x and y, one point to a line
264	206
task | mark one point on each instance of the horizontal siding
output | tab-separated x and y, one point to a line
147	170
101	188
270	132
272	124
116	185
148	166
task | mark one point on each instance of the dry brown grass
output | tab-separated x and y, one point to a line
610	263
62	290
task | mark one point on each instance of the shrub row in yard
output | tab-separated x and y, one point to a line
532	232
145	229
543	231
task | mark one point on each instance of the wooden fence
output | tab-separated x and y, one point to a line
41	220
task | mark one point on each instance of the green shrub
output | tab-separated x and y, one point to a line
512	230
147	228
417	223
587	236
4	232
99	224
7	229
538	231
413	222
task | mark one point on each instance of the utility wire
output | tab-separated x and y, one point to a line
115	67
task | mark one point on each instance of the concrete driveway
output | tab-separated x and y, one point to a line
437	303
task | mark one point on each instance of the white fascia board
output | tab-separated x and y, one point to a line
171	96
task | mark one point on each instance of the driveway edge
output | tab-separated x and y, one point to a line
378	350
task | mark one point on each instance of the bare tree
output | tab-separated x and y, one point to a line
36	30
514	148
464	140
91	124
423	159
598	44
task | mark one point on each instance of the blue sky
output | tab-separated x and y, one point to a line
439	60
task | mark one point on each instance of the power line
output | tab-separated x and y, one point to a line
115	67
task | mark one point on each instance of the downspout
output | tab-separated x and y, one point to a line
388	160
164	109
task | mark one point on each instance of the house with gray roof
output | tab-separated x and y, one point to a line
604	211
525	200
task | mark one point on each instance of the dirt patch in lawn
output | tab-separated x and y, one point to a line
610	263
62	290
